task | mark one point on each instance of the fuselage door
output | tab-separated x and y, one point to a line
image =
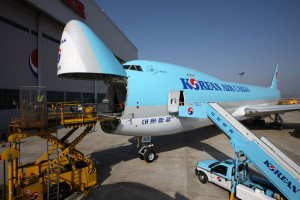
176	98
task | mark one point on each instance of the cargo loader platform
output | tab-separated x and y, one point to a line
62	169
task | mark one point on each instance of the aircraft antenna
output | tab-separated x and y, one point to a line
241	74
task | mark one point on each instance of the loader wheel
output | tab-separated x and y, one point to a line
202	177
64	191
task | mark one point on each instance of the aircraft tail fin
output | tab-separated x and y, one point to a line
275	77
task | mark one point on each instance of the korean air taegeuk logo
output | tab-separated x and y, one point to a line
190	111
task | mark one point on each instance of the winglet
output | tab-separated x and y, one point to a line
275	77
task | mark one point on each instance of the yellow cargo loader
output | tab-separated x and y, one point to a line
62	169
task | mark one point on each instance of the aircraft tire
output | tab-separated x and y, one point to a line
141	156
202	177
272	125
262	122
149	155
279	126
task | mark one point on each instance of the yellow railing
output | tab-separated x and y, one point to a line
72	112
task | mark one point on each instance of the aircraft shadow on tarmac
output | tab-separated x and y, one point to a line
296	132
295	126
129	191
105	159
252	126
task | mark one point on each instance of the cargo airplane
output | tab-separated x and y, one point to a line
144	98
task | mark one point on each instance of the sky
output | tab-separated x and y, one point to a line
217	37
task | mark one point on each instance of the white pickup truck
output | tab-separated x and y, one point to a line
223	175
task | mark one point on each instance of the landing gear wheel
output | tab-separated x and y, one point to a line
141	156
272	125
279	126
202	177
149	155
262	122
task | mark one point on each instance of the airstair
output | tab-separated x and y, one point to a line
277	167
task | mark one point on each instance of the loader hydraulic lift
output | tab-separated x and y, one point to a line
62	169
277	167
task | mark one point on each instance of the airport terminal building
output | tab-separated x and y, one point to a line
30	33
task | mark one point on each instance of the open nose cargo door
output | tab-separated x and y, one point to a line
82	55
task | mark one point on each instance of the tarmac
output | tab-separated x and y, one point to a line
122	175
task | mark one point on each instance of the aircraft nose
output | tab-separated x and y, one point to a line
82	55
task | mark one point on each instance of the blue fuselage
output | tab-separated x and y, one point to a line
151	87
148	93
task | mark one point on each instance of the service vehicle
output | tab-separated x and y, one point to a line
223	174
233	175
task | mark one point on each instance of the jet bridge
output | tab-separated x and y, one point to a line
280	170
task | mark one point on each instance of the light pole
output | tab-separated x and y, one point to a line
241	74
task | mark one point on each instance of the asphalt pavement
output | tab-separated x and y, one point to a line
122	175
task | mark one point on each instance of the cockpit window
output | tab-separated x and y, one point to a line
133	67
126	66
138	68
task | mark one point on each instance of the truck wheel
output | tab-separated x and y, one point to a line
202	177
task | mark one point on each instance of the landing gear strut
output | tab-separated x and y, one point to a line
277	122
147	152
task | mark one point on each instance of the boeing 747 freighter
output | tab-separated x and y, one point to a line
147	98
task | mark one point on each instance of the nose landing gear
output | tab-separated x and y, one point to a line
147	152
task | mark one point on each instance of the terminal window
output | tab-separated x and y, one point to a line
73	96
54	96
9	99
88	97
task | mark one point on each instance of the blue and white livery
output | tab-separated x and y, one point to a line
144	97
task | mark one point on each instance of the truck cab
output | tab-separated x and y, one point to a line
219	173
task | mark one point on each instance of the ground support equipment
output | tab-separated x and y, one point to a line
52	178
277	167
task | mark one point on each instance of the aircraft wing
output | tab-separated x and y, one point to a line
270	109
